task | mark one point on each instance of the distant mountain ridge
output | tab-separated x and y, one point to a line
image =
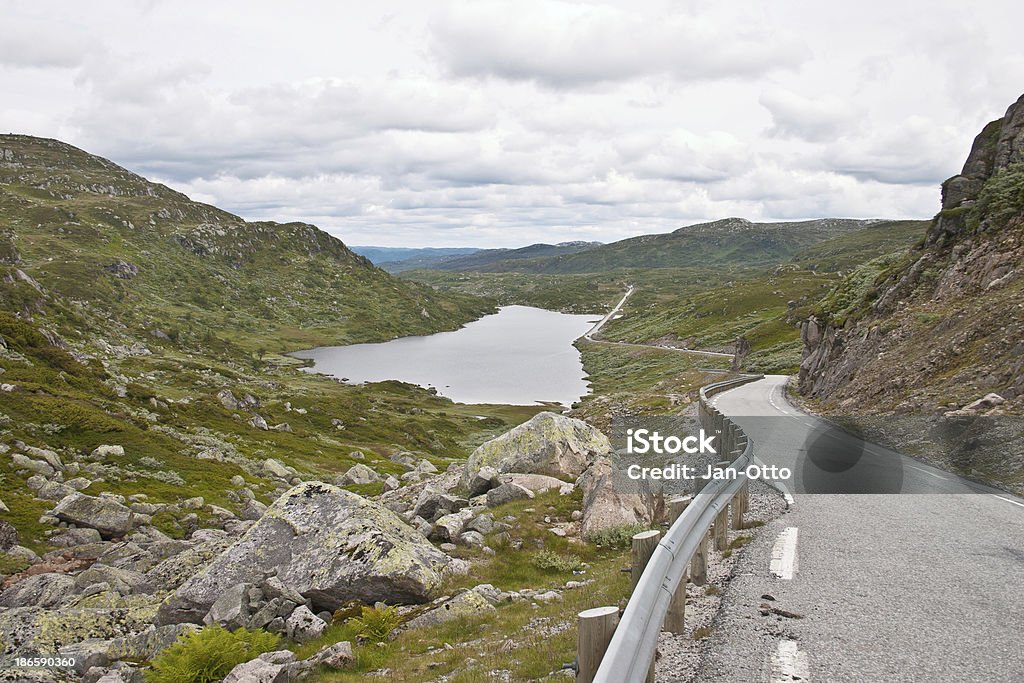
729	241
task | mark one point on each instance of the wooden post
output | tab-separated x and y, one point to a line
644	544
721	531
676	614
699	563
595	629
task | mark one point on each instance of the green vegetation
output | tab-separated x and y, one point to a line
375	625
209	654
547	561
616	537
1001	199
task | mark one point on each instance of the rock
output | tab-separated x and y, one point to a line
238	481
482	481
105	452
359	474
228	400
483	524
432	504
54	490
8	535
35	629
330	545
107	516
195	503
448	527
122	270
23	462
390	484
548	443
73	537
4	508
337	656
538	483
231	609
506	493
469	603
426	467
79	483
471	538
51	457
259	422
303	626
41	590
270	667
276	468
611	499
253	510
124	581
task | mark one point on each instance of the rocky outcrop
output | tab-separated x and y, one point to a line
932	330
330	545
549	443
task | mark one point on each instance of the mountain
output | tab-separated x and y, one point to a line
83	234
496	260
381	256
931	330
731	241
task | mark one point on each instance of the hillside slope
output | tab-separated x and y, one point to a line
122	248
730	241
502	260
932	330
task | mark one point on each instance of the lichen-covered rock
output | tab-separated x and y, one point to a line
107	516
303	626
548	443
73	537
34	629
269	667
467	604
330	545
538	483
42	590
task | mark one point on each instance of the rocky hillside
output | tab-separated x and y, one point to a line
936	328
80	232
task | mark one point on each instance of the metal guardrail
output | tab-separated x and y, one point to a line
630	653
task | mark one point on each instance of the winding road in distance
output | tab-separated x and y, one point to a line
922	583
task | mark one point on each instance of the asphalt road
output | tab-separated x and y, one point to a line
921	580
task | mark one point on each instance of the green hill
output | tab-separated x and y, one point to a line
121	247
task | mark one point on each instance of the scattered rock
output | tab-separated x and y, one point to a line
337	656
359	474
107	516
303	626
469	603
330	545
483	480
506	493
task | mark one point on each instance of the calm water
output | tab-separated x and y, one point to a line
518	356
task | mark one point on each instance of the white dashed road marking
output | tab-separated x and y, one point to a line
1012	502
784	562
790	663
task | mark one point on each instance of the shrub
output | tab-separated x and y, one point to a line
548	561
616	537
208	655
376	625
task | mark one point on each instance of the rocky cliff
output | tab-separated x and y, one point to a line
932	330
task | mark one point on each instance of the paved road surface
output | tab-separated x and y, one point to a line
923	585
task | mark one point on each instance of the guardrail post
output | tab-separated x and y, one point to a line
674	619
595	630
720	531
739	507
699	562
644	544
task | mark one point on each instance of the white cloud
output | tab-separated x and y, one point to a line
505	124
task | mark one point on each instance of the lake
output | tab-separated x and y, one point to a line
518	356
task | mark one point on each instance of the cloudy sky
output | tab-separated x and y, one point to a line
501	124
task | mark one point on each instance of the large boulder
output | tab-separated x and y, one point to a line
330	545
467	604
548	443
106	516
611	499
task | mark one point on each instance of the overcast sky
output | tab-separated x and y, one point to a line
501	124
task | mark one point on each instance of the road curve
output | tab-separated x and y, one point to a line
921	585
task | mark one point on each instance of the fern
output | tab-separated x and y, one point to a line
376	625
208	655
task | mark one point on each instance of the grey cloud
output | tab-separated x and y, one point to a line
813	119
563	45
